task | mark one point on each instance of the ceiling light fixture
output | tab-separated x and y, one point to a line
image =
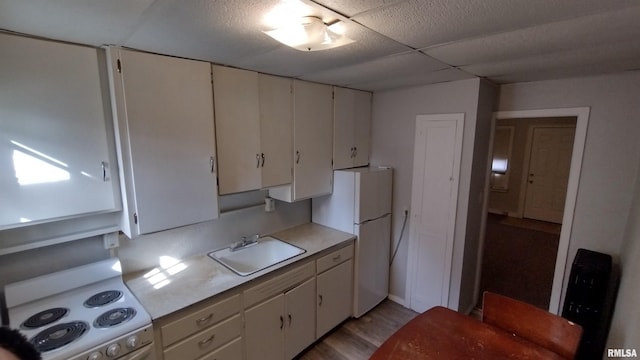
311	34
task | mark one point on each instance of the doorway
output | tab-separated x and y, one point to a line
579	117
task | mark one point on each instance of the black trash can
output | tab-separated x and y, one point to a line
590	298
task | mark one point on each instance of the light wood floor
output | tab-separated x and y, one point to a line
357	339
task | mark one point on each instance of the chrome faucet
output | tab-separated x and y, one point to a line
245	242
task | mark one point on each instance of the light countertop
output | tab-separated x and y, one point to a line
163	291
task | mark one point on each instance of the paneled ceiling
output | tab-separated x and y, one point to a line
398	43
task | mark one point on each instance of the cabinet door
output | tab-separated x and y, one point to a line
351	132
362	128
264	330
238	129
276	129
166	140
343	128
335	296
313	139
54	156
300	316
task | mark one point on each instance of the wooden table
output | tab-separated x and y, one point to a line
440	333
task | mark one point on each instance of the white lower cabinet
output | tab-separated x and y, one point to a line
231	351
282	326
208	330
272	319
335	289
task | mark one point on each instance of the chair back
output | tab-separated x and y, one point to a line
531	323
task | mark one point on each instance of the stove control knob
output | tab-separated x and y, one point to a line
95	356
132	342
113	350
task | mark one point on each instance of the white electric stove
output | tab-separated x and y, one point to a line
84	313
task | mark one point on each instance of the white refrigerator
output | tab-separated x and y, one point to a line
361	205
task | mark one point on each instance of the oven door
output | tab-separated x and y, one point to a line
146	352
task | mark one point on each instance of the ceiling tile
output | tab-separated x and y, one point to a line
610	57
218	31
588	31
91	22
355	7
551	74
430	22
426	78
395	66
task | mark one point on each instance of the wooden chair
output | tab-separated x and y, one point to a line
531	323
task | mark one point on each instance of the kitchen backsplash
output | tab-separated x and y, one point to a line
145	251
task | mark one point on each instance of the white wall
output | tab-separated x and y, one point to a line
144	252
611	156
625	327
393	126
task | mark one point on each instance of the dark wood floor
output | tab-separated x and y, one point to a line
519	259
357	339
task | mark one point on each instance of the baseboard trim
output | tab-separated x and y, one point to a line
397	299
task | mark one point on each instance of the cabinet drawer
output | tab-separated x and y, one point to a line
199	320
335	258
278	284
205	341
231	351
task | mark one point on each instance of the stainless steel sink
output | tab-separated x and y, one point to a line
268	251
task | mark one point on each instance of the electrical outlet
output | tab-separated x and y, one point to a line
111	240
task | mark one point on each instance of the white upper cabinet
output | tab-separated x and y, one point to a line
254	115
238	129
312	143
163	109
276	129
352	128
55	157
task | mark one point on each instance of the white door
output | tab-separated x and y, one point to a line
434	195
335	297
169	129
343	129
549	164
313	139
264	330
55	160
299	317
276	130
235	93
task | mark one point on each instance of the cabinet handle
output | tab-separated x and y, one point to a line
355	151
281	322
212	164
205	319
257	160
206	341
104	170
352	150
297	157
320	303
337	257
262	156
290	320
